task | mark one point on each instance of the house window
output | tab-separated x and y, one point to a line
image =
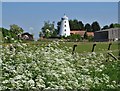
65	25
65	30
65	21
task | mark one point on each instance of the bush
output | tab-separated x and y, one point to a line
74	37
90	38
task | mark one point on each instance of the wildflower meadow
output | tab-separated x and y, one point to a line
51	67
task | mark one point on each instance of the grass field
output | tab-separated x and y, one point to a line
85	47
101	47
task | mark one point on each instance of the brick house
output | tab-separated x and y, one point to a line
81	33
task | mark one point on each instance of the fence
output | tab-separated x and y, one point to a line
109	53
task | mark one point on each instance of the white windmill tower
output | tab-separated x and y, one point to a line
64	27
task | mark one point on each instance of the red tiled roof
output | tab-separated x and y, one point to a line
77	32
81	32
90	33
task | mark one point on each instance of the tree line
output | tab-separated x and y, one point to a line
48	30
111	26
9	35
78	25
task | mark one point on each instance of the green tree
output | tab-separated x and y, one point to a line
81	25
40	34
111	25
54	34
7	35
76	25
48	29
116	25
88	27
12	34
95	26
58	27
72	25
16	29
105	27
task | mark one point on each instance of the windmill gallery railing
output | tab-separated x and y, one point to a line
108	53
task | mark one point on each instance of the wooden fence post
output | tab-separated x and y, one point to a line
74	46
109	46
107	56
93	47
110	54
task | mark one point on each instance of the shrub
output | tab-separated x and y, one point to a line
90	38
74	37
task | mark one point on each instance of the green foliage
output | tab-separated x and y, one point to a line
111	25
47	33
48	30
47	26
81	25
16	29
105	27
54	34
7	35
76	25
88	27
90	38
58	26
95	26
40	34
74	37
11	35
116	25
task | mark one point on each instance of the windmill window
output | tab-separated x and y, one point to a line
65	21
65	25
65	30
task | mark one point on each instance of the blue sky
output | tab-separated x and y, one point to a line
59	0
31	15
